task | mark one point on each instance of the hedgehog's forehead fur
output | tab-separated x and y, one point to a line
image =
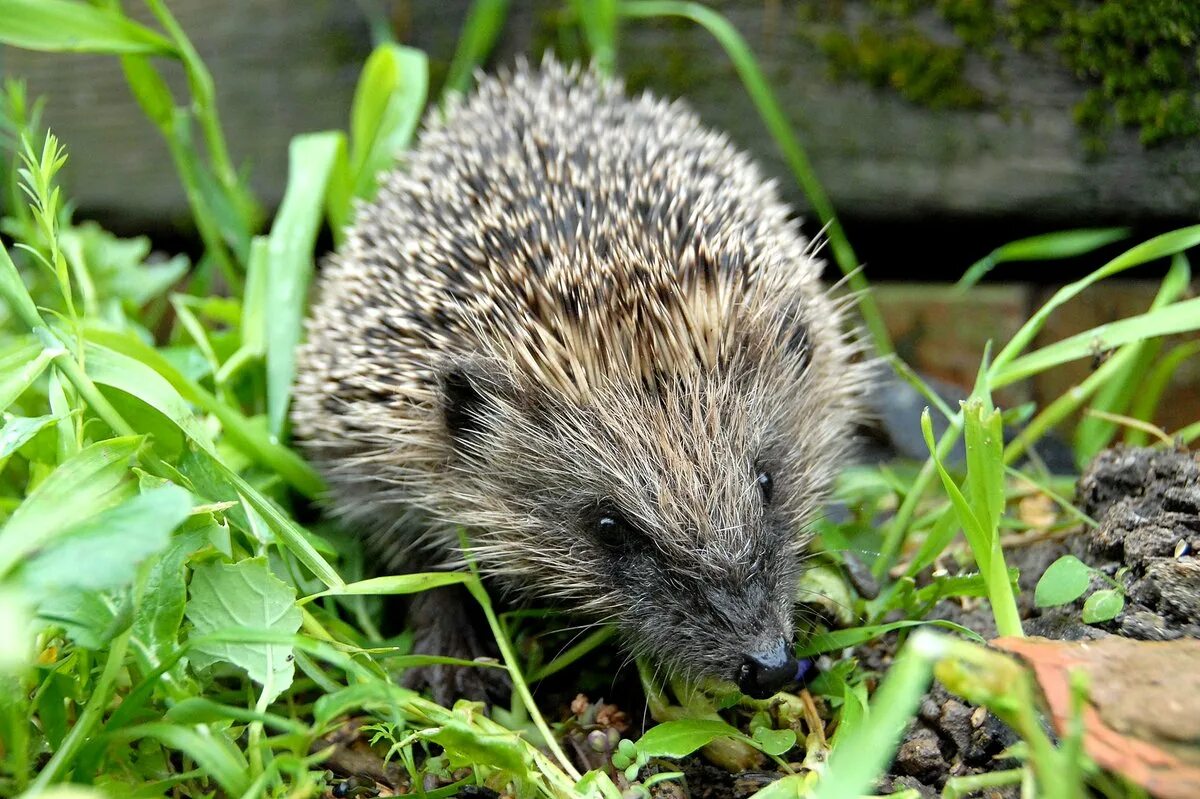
636	322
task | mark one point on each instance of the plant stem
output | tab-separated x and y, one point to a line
89	718
520	686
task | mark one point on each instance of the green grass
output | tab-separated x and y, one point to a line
170	628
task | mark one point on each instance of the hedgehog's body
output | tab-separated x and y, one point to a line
582	327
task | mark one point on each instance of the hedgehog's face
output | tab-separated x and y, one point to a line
678	512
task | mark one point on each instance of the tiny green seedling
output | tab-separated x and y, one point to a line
1068	578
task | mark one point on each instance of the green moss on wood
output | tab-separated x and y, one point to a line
922	71
1138	57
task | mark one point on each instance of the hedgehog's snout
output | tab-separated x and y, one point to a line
766	671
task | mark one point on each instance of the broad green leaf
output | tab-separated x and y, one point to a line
243	433
160	606
1103	605
375	695
65	26
90	619
681	738
111	368
467	745
245	595
1064	581
18	430
290	263
104	552
92	481
212	750
388	103
774	742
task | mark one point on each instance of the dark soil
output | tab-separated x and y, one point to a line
1147	504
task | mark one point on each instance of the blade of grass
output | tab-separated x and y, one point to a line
484	22
200	83
1164	246
785	138
93	711
387	106
1182	317
212	750
982	536
1094	432
600	22
87	484
853	636
1145	403
290	266
858	760
64	26
15	380
243	433
520	685
897	528
1046	247
290	534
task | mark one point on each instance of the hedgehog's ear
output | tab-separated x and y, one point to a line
469	389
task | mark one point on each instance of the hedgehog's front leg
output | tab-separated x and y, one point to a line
447	622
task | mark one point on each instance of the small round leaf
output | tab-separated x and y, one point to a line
1065	581
1103	606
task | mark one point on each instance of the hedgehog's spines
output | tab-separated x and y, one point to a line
654	312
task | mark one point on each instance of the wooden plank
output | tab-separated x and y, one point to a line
284	67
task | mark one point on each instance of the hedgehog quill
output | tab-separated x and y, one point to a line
583	327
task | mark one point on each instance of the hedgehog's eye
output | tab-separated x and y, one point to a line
765	485
613	531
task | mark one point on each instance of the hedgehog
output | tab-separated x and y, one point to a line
583	328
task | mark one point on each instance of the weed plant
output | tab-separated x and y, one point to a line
167	627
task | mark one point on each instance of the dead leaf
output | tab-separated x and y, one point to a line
1142	719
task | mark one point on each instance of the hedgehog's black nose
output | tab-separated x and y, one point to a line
765	672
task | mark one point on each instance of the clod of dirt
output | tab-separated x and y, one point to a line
1143	713
1147	503
921	757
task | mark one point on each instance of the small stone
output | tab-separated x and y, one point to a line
1147	626
921	757
1179	585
